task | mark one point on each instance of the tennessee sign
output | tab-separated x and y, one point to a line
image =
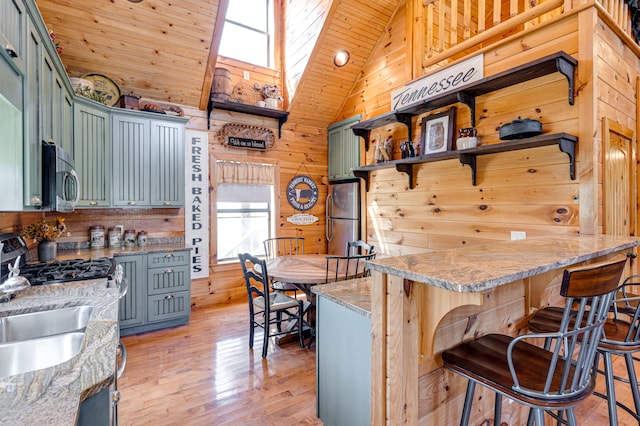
444	81
302	193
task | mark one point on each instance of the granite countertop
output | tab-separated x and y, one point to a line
89	253
352	294
478	268
52	395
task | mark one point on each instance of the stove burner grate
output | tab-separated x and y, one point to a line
67	270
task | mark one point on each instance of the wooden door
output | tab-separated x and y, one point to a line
618	184
619	207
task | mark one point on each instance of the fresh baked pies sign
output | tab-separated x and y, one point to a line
244	136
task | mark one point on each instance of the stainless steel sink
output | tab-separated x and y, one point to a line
36	354
44	323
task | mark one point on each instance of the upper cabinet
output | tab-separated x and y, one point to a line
344	149
13	21
147	161
92	152
46	104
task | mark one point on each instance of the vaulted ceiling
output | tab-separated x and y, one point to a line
160	49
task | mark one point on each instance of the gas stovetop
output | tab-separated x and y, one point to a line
61	271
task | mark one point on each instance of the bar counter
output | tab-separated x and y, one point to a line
422	304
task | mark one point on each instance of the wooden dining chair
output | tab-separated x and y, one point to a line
546	380
621	336
341	268
267	308
283	246
358	247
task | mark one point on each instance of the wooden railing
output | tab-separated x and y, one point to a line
454	27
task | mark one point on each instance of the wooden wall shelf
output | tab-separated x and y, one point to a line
281	116
558	62
566	143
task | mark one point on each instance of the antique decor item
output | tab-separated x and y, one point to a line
520	128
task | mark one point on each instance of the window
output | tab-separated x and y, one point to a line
248	32
244	219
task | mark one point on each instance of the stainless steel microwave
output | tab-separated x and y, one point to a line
60	185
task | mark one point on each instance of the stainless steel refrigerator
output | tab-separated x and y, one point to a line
343	216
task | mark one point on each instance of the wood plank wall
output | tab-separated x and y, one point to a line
528	190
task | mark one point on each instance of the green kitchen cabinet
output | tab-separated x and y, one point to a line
56	106
147	160
167	164
168	286
162	292
32	173
48	104
344	149
11	106
132	305
131	139
13	21
92	152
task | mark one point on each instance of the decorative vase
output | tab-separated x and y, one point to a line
47	251
272	103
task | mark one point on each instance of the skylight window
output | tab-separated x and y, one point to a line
248	32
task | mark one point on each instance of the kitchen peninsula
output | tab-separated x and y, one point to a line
53	395
426	302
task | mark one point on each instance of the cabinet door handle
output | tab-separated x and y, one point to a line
36	200
11	51
93	203
169	296
167	203
169	271
132	203
170	255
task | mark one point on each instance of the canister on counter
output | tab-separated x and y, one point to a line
115	236
97	236
142	238
130	237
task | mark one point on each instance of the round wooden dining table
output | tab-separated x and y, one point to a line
303	269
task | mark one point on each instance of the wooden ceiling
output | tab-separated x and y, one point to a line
160	49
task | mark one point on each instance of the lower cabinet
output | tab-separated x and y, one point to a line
343	364
159	294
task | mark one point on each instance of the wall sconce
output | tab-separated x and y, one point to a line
341	59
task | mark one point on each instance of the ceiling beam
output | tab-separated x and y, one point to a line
213	54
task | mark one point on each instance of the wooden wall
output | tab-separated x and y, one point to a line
528	190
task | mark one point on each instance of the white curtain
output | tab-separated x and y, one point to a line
245	173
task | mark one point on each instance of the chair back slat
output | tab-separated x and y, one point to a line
589	291
341	268
256	283
626	309
283	246
358	247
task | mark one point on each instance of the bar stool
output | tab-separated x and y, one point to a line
546	380
621	336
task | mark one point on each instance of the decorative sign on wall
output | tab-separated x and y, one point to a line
302	219
444	81
197	201
235	135
302	193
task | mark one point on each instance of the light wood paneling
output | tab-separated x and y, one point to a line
155	49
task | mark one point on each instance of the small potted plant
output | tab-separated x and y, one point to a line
46	235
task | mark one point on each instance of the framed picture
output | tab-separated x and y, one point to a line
437	132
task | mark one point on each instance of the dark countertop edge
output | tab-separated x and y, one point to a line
487	284
342	293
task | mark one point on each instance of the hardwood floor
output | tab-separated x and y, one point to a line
204	374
